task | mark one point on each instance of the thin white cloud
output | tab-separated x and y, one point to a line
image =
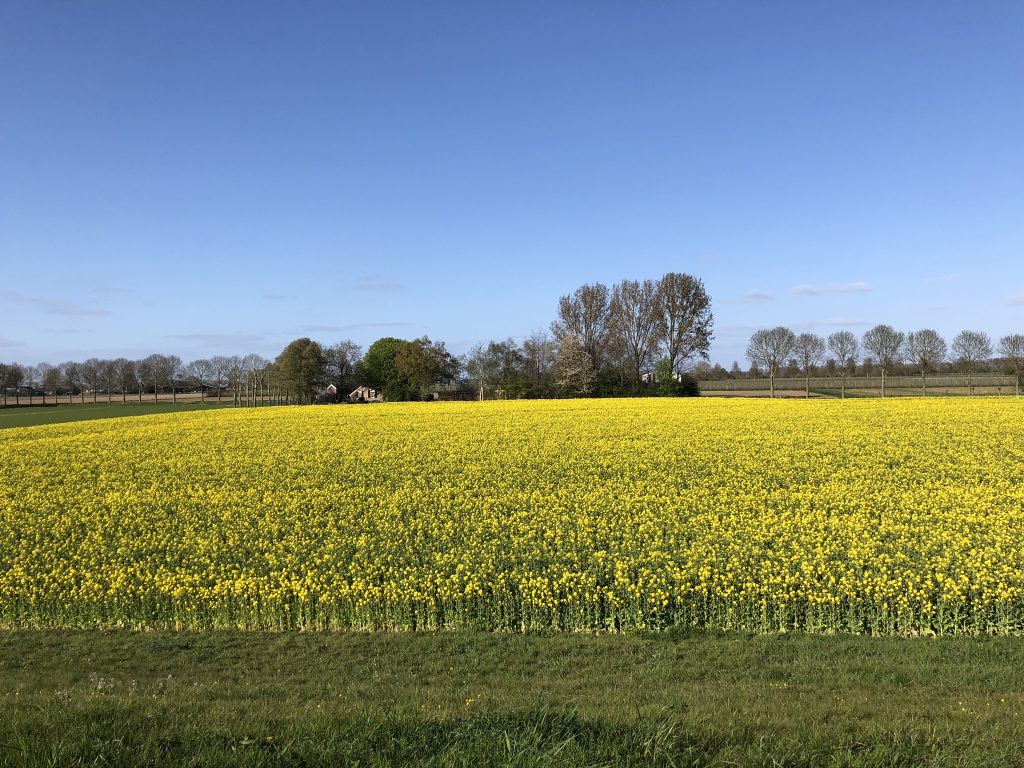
352	327
376	285
105	290
1016	299
735	330
7	343
945	278
756	295
836	322
817	290
49	306
221	338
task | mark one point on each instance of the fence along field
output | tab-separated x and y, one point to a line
866	516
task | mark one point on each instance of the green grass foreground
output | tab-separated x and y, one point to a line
479	699
60	414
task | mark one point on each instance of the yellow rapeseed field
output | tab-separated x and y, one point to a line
896	516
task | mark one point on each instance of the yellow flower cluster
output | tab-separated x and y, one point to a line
897	516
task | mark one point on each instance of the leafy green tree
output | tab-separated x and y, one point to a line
672	384
300	368
424	364
378	365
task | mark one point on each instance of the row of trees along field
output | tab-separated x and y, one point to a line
633	338
243	379
882	351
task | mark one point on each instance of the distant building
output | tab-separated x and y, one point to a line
366	395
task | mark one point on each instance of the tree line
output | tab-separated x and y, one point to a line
883	349
633	338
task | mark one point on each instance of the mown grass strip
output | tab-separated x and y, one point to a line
465	698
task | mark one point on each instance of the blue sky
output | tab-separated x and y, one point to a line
213	178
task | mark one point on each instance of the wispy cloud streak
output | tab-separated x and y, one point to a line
818	290
50	306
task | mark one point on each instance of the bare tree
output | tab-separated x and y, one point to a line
498	365
144	375
585	316
971	349
539	352
769	348
126	376
31	379
172	372
92	370
253	367
685	319
886	344
340	361
70	377
199	373
153	368
1012	348
809	349
573	368
481	368
634	321
235	372
109	377
846	348
11	377
221	372
926	349
47	377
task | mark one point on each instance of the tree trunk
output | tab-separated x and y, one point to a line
807	386
124	396
843	385
174	396
883	382
924	386
771	383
